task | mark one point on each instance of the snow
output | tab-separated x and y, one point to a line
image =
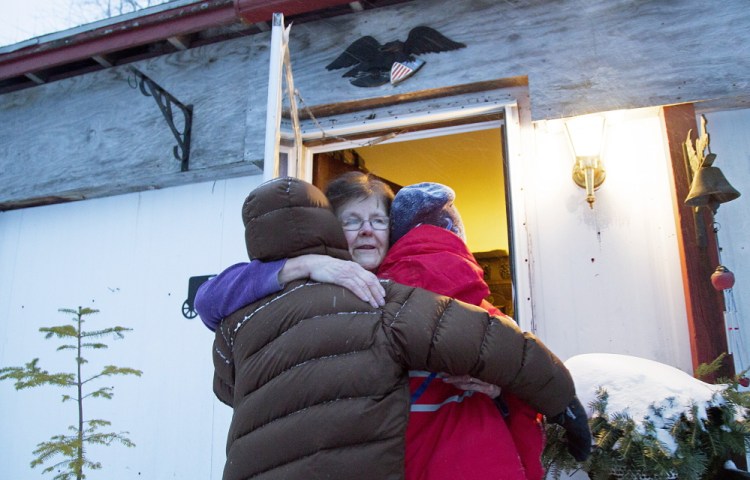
634	383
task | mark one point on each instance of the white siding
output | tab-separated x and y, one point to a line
607	279
129	256
730	141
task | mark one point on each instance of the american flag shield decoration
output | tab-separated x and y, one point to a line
400	71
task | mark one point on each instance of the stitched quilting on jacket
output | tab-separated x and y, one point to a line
318	379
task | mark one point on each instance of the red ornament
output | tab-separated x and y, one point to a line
722	278
744	381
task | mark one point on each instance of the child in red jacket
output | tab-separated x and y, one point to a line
454	433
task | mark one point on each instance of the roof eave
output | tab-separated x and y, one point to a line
141	30
252	11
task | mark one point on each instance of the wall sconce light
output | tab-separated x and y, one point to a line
586	135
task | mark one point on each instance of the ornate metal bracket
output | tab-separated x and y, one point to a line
165	100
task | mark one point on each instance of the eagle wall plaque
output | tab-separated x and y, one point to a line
375	64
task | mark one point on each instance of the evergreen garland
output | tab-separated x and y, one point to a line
625	450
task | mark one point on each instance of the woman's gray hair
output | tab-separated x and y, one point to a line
357	185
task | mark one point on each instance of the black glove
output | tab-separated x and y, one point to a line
577	433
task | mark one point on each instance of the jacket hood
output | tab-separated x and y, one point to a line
438	260
287	217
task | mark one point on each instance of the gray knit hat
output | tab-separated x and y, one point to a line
424	203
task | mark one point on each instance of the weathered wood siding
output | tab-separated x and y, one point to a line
579	57
95	135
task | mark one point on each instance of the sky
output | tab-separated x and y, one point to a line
24	19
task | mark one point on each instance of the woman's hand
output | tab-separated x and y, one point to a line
465	382
325	269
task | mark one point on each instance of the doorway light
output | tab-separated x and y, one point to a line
586	135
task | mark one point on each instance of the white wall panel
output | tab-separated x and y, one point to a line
730	142
131	257
607	279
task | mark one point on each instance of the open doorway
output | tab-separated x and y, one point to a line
470	159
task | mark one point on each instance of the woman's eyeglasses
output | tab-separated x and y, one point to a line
354	223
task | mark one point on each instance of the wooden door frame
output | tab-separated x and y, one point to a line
699	251
433	124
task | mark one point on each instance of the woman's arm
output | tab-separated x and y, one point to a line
245	283
237	286
325	269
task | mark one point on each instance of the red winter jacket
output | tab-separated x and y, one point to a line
453	434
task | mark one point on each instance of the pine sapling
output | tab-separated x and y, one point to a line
72	448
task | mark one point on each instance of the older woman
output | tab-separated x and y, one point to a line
362	203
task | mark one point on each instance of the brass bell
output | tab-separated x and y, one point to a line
710	187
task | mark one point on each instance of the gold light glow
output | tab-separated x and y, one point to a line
586	135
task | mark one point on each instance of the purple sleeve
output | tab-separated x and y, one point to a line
237	286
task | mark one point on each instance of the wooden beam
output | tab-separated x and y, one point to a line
263	26
38	202
273	102
321	111
252	11
37	78
698	250
380	135
103	60
180	42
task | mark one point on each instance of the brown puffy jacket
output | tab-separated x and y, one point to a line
318	379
